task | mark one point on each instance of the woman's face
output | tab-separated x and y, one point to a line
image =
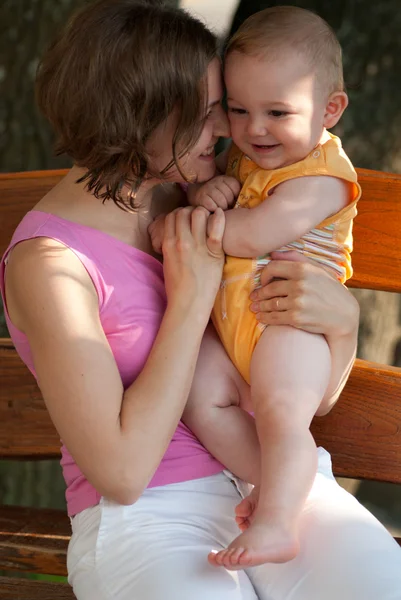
199	163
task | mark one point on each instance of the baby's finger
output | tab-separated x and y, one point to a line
157	243
207	202
233	184
156	222
219	197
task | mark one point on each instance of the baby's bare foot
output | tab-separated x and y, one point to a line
245	510
262	542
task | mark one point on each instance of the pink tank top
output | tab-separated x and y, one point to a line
132	300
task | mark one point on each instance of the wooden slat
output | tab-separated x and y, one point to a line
19	192
377	230
34	540
25	426
363	432
377	233
24	589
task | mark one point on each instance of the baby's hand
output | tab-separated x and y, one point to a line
156	232
219	192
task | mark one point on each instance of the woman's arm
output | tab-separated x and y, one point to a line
343	353
117	438
311	299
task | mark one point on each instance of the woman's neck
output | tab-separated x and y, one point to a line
71	201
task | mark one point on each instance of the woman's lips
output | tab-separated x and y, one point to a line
208	154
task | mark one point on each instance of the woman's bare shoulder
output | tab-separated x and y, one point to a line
41	272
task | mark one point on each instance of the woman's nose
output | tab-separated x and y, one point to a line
221	125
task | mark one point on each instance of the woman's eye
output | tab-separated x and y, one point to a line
277	113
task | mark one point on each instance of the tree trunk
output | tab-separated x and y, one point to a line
380	329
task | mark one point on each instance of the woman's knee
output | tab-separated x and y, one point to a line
347	551
345	554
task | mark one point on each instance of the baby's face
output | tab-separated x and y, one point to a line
275	108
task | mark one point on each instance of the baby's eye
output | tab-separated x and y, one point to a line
237	111
278	113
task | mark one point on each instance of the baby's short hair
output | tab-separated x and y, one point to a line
270	31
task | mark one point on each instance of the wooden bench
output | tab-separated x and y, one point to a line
363	432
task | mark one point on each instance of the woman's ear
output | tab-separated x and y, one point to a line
336	105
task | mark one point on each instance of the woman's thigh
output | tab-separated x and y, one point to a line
157	548
346	554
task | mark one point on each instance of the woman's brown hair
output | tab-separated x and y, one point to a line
117	71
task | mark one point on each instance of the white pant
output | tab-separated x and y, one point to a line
156	549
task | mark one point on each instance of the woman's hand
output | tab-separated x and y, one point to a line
299	293
193	257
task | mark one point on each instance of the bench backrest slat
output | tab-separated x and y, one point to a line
377	229
363	433
377	233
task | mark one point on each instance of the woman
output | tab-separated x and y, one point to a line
133	92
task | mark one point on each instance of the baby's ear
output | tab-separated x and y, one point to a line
336	105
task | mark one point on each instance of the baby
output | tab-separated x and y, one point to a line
298	191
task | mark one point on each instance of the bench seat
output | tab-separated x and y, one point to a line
34	540
24	589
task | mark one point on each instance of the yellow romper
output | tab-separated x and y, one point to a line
329	243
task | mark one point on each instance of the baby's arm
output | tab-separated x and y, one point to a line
294	208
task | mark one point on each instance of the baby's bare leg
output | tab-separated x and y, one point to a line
289	375
213	411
